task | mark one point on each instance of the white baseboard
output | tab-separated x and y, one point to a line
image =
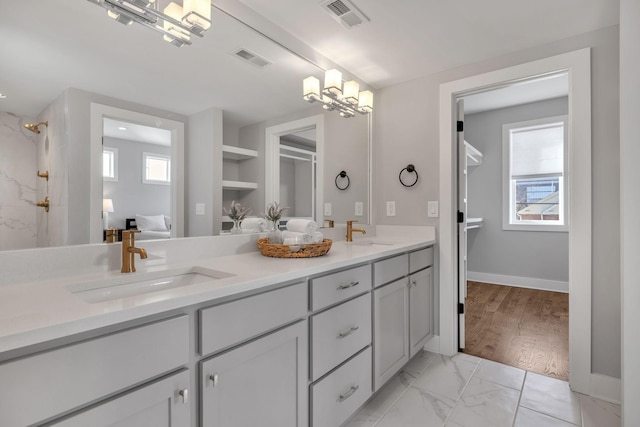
606	388
433	345
521	282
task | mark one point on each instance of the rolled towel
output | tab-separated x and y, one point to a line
306	226
317	237
259	224
294	236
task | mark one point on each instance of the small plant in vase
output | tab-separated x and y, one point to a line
236	212
273	214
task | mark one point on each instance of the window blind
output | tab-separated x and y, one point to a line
537	151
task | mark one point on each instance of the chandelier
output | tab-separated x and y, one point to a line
347	100
177	23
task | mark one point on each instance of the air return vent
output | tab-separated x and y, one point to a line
252	58
344	12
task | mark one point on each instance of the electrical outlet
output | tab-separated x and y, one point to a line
432	209
199	208
327	209
359	209
391	208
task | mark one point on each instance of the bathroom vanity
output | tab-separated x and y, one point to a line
230	340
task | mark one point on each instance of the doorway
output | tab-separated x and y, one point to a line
513	240
577	64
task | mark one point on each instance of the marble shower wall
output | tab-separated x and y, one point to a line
18	183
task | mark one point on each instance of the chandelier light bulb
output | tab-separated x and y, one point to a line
333	82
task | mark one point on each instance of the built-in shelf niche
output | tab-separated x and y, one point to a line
238	185
230	152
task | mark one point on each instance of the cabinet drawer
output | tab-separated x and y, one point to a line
226	324
50	383
336	287
420	259
390	269
339	395
338	333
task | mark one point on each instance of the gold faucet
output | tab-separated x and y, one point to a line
129	251
330	222
350	230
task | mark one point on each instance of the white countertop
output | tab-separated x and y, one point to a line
39	311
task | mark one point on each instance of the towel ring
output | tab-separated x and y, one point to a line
410	169
342	174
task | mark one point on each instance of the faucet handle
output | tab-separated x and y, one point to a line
351	221
129	234
331	222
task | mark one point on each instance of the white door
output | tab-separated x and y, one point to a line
462	221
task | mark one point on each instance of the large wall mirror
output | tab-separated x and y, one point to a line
71	65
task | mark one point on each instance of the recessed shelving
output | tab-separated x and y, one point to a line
231	152
238	185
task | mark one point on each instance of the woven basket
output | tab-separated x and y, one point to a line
308	250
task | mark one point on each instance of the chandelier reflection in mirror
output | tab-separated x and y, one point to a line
347	100
175	22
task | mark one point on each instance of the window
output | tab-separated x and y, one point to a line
109	164
534	156
156	168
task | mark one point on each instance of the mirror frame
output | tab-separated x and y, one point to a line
100	111
272	159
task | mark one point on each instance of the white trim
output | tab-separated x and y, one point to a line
146	155
97	113
606	388
272	159
433	345
518	281
578	64
114	157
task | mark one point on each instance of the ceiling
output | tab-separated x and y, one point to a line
134	132
49	46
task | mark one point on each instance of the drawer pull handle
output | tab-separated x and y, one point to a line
349	393
185	395
413	283
214	379
348	332
350	285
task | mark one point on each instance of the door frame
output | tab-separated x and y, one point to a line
578	65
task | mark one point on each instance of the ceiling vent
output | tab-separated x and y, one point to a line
252	58
345	13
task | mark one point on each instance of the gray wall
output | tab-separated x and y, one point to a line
630	176
490	249
406	131
129	194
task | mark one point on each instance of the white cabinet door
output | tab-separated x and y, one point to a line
164	403
391	344
261	383
420	309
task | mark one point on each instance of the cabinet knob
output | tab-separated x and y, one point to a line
347	286
348	393
185	395
214	379
348	332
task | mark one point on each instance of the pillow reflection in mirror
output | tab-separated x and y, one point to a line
151	223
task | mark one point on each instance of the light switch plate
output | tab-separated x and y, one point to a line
391	208
327	209
359	209
199	208
432	209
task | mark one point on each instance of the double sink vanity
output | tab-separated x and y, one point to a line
214	337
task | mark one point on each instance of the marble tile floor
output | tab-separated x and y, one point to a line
466	391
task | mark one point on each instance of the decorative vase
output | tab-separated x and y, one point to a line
236	229
275	235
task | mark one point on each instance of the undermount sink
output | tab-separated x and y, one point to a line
142	283
371	242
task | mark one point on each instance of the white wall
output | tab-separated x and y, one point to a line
17	183
490	249
129	194
630	177
406	131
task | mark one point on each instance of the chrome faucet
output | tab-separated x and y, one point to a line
129	251
351	230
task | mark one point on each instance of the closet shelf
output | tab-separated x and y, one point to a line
474	223
238	185
474	156
231	152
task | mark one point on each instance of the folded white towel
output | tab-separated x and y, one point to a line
259	224
306	226
294	236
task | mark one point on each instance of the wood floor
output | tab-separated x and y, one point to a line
525	328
